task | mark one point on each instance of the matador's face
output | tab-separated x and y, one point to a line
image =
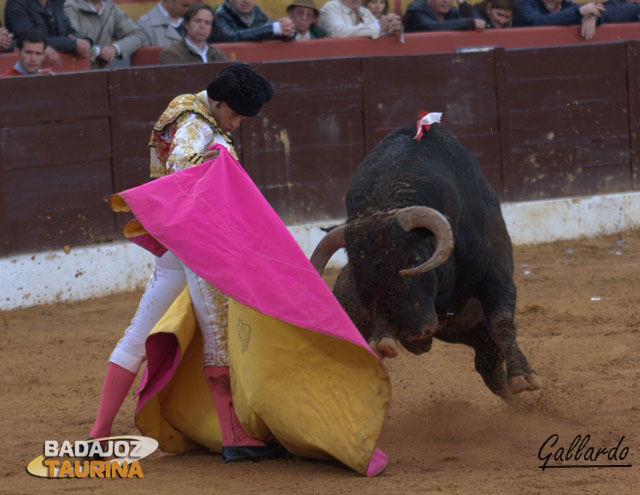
227	119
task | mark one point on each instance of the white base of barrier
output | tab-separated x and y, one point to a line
99	270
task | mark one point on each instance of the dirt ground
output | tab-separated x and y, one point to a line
579	324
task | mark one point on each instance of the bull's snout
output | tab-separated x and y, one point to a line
385	347
426	330
417	337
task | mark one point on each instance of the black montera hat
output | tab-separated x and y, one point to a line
242	88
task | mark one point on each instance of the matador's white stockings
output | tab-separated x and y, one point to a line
168	279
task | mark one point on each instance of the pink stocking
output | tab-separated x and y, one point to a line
117	383
233	433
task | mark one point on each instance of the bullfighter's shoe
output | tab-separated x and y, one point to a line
272	450
95	457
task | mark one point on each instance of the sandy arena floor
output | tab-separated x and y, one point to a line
579	323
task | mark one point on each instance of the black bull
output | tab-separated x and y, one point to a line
429	256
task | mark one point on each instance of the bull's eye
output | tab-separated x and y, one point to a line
416	260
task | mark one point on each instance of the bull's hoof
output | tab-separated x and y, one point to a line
534	381
388	347
528	382
518	384
385	347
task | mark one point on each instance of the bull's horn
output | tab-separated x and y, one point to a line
415	217
329	244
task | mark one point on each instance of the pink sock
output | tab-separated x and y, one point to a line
233	434
117	383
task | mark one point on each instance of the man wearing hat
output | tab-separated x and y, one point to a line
181	139
303	13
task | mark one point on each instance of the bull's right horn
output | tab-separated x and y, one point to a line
415	217
329	244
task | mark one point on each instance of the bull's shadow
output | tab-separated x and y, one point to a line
429	256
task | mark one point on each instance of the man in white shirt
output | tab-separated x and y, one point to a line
162	25
348	18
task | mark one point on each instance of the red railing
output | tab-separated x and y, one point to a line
414	43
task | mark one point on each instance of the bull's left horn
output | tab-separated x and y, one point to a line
415	217
329	244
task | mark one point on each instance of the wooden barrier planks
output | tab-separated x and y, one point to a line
55	164
567	123
633	63
461	86
303	149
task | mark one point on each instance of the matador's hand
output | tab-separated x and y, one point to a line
210	155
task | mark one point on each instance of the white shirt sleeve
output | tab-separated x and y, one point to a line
336	20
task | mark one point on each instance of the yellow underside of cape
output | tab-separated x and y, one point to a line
319	396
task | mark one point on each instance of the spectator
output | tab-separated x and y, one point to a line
438	15
565	13
6	39
620	11
348	18
199	20
558	13
48	17
243	20
162	25
303	13
112	32
377	7
31	54
495	13
619	3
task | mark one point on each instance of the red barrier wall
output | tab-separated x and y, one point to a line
543	123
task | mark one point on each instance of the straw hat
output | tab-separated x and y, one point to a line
303	3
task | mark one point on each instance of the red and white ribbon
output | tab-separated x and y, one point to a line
425	121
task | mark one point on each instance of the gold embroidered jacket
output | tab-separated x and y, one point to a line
182	134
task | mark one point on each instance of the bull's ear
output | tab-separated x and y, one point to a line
329	229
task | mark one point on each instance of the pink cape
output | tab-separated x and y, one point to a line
216	221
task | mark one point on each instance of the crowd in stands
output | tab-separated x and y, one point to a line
102	31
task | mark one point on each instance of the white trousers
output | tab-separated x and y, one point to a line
167	281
